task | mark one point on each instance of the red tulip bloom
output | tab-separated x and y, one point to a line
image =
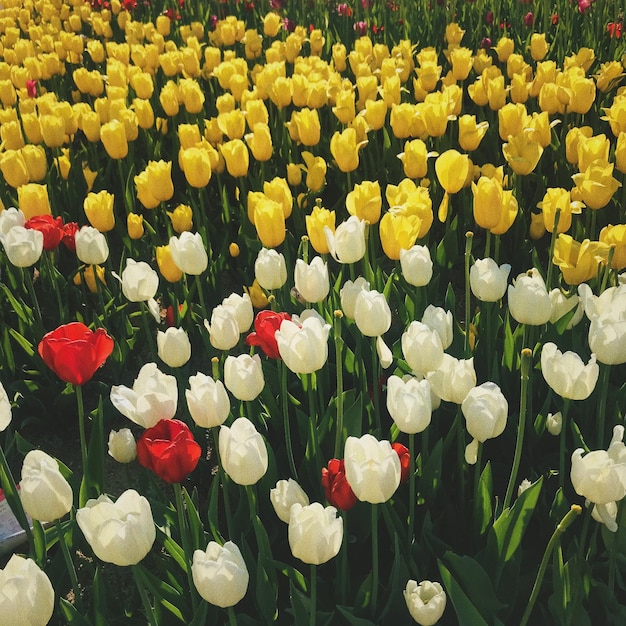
405	460
169	450
336	486
69	233
266	323
74	353
51	227
529	19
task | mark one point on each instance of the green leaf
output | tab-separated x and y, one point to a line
466	612
508	530
21	310
163	593
299	606
72	615
364	594
484	497
172	548
26	345
347	612
431	474
197	530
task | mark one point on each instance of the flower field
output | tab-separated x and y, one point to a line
335	290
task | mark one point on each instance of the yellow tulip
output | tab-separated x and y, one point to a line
90	277
462	60
596	184
181	218
345	150
188	135
522	153
269	220
159	175
345	106
237	158
365	201
260	142
53	130
591	149
144	113
578	261
256	113
32	127
232	124
144	191
620	153
504	48
519	89
11	135
134	225
196	166
315	224
583	95
434	113
507	216
375	113
257	295
454	34
609	73
32	200
488	197
280	92
13	168
278	190
398	232
538	46
294	174
471	133
99	210
339	54
452	170
307	123
615	115
113	137
169	98
537	227
558	199
615	236
315	168
169	270
36	163
574	136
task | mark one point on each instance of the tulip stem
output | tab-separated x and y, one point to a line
339	373
184	533
561	527
201	297
285	403
81	428
562	436
375	394
232	618
526	358
69	564
146	327
557	216
33	296
222	477
411	486
603	390
147	607
374	558
469	236
313	607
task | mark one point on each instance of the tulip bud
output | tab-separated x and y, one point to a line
311	279
173	346
372	313
285	495
139	281
416	265
207	401
426	602
91	246
243	452
122	446
243	376
315	532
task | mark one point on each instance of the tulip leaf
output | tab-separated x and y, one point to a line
173	549
20	309
508	530
71	614
99	599
432	472
212	511
197	531
299	606
26	345
7	352
165	594
295	577
364	594
200	616
466	612
482	505
353	619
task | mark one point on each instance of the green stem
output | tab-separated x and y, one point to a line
201	297
557	216
53	283
477	470
562	437
313	606
339	373
145	312
186	539
562	526
411	486
375	393
603	391
526	359
69	564
81	427
147	607
232	618
469	236
223	480
285	403
33	296
374	559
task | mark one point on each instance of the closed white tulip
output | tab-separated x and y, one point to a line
311	279
303	346
241	308
122	445
562	305
120	532
349	293
416	265
426	601
173	346
23	246
567	374
422	348
409	403
372	468
45	493
270	269
372	313
207	400
26	593
347	243
223	329
8	218
139	281
529	301
189	253
285	495
488	280
441	322
315	532
153	397
243	376
453	379
220	574
243	452
91	246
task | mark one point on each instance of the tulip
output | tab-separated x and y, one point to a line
416	265
365	201
452	170
99	210
35	159
308	127
488	281
415	159
50	227
284	496
153	397
174	347
139	281
422	348
243	452
53	130
8	218
316	224
372	468
578	261
471	133
336	487
241	308
188	253
196	166
303	346
169	270
566	373
120	532
614	236
554	423
440	321
270	269
45	493
398	232
596	184
266	323
220	574
529	301
522	153
223	329
562	305
558	199
426	601
315	168
169	450
33	200
538	46
269	220
311	279
207	401
237	158
134	225
5	409
372	313
23	246
453	379
349	293
315	533
14	169
181	218
113	137
488	199
260	142
347	243
26	593
409	403
122	446
91	246
243	376
345	149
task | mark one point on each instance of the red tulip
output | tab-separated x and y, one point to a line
336	486
74	353
51	228
69	234
169	450
405	460
266	323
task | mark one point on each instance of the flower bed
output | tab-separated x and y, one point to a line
337	289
